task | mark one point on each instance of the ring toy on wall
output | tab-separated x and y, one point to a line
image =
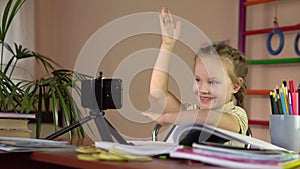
296	44
270	35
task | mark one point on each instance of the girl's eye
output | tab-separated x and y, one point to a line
212	82
197	80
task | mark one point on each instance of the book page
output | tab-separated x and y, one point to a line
145	148
182	129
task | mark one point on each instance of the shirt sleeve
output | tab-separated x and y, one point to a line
242	118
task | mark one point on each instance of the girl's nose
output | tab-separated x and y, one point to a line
204	88
201	88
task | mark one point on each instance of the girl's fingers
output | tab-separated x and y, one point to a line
161	20
163	14
164	10
169	15
166	15
169	29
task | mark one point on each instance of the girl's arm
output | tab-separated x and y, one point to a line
160	76
219	119
159	81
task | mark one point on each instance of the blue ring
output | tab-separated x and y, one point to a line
270	35
296	44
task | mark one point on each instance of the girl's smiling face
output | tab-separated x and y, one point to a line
212	84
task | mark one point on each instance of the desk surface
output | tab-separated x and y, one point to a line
68	159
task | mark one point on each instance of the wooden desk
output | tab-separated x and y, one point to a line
67	160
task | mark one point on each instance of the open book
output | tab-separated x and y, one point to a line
187	134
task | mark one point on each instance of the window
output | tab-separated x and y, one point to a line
21	32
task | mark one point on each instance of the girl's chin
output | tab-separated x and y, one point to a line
208	106
205	106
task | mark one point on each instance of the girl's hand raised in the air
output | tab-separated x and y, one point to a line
170	32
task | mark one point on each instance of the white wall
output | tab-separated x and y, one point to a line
63	27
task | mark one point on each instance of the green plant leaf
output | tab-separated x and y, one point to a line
39	113
10	97
25	97
8	17
54	107
4	19
30	103
75	110
64	107
30	95
63	103
14	11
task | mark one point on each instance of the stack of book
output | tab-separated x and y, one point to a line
15	124
15	144
192	141
238	158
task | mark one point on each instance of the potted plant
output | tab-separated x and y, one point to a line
51	92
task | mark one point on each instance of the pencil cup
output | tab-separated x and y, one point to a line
285	131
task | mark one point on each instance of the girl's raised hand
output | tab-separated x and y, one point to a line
170	31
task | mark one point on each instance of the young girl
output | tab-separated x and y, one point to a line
219	84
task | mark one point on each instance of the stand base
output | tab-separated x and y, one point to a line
105	129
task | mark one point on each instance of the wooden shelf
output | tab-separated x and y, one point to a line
267	30
243	33
255	2
274	61
258	92
259	122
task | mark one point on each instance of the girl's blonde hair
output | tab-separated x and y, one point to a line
236	65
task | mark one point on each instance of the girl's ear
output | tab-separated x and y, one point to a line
237	86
